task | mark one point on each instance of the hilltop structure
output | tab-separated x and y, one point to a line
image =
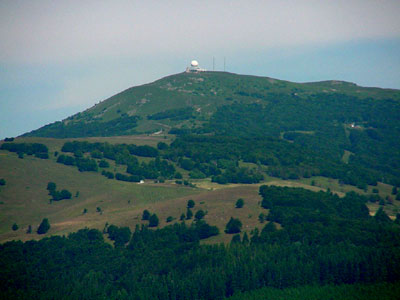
194	67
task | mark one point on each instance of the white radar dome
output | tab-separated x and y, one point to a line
194	63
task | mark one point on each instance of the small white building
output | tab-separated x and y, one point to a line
194	67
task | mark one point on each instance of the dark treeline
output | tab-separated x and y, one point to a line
122	154
83	164
324	240
122	125
39	150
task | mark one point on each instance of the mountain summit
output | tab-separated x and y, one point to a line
189	99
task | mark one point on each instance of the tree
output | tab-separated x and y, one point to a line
233	226
162	146
397	221
394	191
51	186
189	214
65	194
146	215
14	227
153	221
29	230
44	226
182	217
120	235
239	203
2	181
245	238
170	219
84	211
199	215
381	216
266	203
104	164
236	239
261	218
190	203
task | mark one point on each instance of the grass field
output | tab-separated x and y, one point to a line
24	199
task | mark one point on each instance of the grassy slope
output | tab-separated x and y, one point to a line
26	202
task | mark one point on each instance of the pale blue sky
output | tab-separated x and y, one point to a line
61	57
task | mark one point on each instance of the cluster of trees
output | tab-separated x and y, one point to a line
58	195
151	170
83	164
152	218
122	154
37	149
323	240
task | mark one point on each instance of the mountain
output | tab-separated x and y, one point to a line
189	99
291	130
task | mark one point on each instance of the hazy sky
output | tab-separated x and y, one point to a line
61	57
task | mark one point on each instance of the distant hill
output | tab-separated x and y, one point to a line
164	103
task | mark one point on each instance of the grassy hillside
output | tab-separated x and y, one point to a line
25	200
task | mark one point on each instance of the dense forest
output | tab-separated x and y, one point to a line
323	243
298	137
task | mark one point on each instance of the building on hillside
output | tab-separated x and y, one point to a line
194	67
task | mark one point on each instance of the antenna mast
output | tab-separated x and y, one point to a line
224	63
213	63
